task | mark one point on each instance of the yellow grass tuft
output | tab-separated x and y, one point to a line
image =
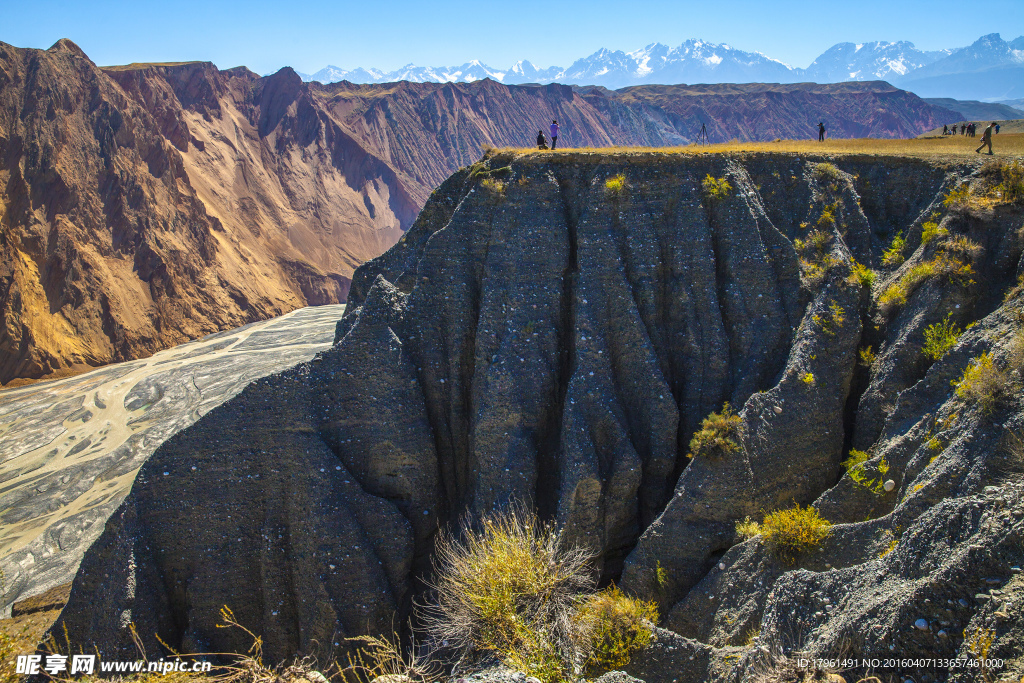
509	586
789	533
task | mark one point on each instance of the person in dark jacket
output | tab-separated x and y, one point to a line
541	142
821	131
986	138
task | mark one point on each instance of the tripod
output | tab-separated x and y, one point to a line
702	136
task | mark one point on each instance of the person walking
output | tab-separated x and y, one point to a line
821	132
963	128
541	142
554	134
986	138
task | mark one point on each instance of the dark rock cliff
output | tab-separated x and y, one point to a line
542	335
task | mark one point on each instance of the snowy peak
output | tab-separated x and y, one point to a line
697	61
869	62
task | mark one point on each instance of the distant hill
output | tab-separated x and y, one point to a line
974	110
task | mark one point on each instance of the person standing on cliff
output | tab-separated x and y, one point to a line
554	133
821	132
986	138
541	142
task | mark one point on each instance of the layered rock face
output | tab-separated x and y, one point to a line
554	330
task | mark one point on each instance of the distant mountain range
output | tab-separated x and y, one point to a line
991	69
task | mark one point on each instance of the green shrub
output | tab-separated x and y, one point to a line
789	533
893	256
958	197
660	576
716	189
983	383
855	466
940	338
613	627
827	219
862	275
874	482
855	459
748	528
930	230
718	434
615	186
510	586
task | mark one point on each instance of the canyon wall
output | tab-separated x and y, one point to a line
554	330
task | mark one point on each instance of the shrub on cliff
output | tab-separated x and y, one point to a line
826	172
716	189
615	186
613	626
940	338
788	533
893	256
510	586
983	383
718	434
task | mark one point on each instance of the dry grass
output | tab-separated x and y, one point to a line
1006	145
509	586
949	261
983	383
386	657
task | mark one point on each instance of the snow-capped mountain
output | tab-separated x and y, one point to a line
984	53
695	61
698	61
525	72
869	62
990	69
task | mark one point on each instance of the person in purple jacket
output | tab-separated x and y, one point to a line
554	133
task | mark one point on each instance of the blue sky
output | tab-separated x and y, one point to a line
308	34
